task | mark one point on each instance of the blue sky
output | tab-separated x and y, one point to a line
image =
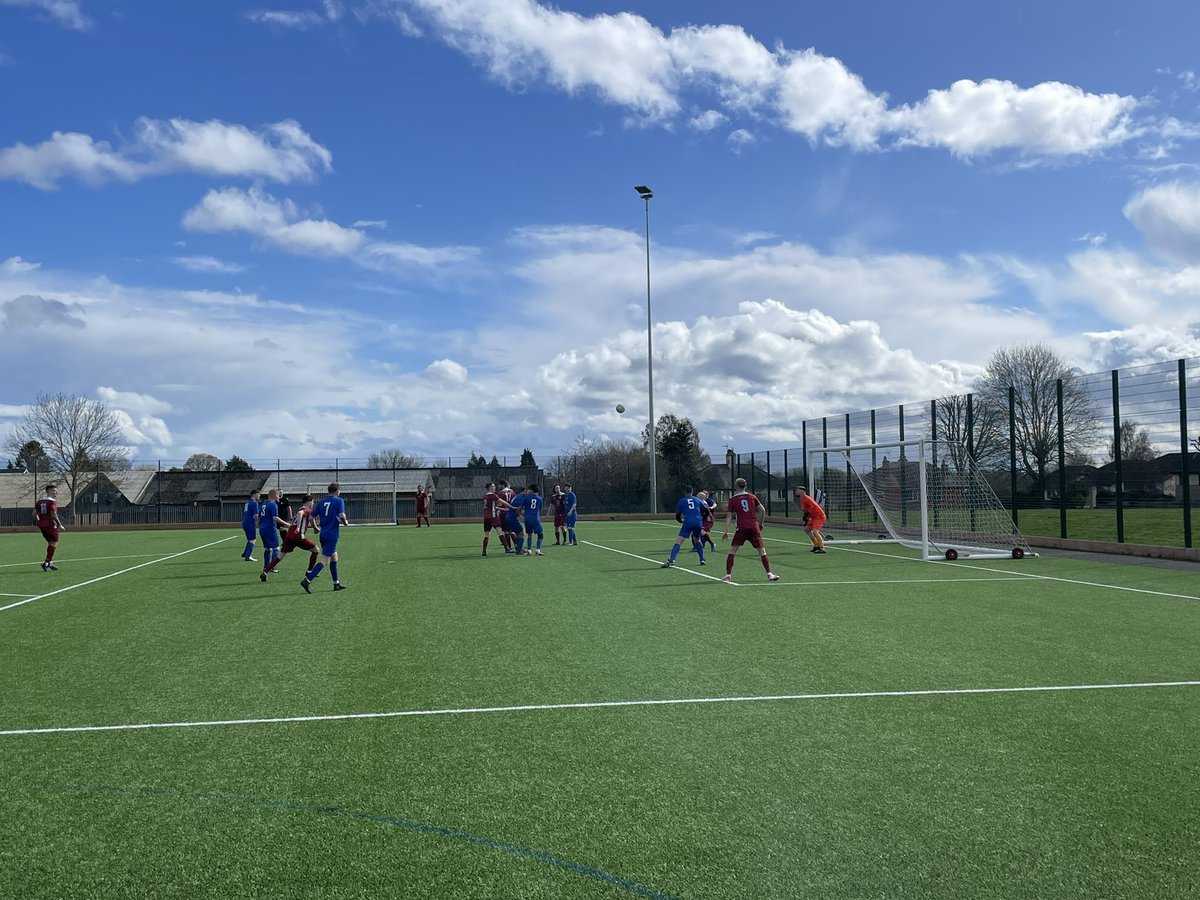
327	227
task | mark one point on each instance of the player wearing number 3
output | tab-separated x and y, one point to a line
750	515
330	514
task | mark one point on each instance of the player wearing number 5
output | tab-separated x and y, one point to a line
689	513
750	515
330	514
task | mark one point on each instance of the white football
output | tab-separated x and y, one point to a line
620	407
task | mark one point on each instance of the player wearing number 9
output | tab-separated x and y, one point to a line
750	515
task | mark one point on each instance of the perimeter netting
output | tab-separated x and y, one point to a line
930	495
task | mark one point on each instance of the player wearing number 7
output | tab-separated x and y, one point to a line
750	517
330	514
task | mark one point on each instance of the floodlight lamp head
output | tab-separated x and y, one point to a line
644	191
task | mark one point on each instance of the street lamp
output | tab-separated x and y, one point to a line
646	194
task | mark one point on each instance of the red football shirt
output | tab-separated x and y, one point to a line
489	505
47	511
422	501
745	507
300	525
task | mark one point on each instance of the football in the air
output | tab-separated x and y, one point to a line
620	407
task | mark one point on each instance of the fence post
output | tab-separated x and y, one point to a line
1116	411
849	472
769	491
1185	456
804	473
158	490
752	468
1062	465
1012	452
787	486
903	476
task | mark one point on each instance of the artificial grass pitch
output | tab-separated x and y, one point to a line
1056	793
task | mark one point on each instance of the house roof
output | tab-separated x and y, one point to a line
17	489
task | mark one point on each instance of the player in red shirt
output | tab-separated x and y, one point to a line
45	513
750	517
295	538
559	501
708	518
493	507
422	506
814	518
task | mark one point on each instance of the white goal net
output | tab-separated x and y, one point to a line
367	502
925	494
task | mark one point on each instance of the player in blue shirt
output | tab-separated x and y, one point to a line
689	513
268	527
330	514
533	504
250	524
570	501
512	520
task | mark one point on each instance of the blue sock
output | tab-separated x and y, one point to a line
571	532
674	551
333	570
315	572
700	550
539	546
249	548
520	544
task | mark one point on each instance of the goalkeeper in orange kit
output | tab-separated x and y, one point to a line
814	518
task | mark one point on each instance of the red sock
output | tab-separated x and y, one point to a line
272	564
766	563
729	564
312	560
485	543
50	548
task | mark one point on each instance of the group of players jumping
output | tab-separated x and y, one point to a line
517	515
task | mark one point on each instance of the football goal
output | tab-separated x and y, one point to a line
925	494
367	502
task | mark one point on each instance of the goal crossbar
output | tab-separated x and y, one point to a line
367	502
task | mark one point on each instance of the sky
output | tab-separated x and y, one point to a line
329	227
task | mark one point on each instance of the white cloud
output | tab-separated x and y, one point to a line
1168	216
628	62
282	151
68	13
30	311
282	224
132	401
740	139
370	223
284	18
15	265
208	264
447	371
708	120
1051	118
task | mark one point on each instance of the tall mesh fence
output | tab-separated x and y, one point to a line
1110	456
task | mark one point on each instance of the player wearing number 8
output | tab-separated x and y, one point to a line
750	515
330	514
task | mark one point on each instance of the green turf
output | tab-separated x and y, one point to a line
1015	795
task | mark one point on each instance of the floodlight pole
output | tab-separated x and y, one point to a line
646	194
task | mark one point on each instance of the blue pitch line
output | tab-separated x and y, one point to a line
407	824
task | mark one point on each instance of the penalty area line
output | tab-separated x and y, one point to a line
602	704
152	562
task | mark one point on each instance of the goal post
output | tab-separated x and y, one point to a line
367	502
926	494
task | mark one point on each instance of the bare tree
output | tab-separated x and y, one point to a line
1135	443
984	433
613	475
394	459
202	462
1033	371
76	434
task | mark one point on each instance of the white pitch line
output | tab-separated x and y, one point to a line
602	704
988	580
75	559
1033	575
15	595
152	562
655	561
